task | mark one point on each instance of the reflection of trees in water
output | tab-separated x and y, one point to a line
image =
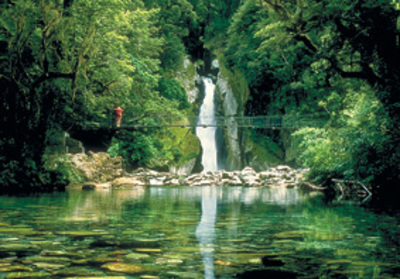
275	196
100	205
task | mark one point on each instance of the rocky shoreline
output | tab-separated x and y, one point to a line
275	177
104	172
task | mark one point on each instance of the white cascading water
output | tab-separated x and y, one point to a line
207	135
205	231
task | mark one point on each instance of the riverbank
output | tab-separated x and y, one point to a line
102	172
278	177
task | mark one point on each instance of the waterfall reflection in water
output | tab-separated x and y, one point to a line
205	231
198	232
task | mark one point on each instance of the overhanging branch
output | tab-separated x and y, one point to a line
306	41
50	76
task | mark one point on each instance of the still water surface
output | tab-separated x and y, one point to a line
194	232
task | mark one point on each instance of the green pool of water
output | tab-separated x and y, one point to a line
194	232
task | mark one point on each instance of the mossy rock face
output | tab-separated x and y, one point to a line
262	153
182	144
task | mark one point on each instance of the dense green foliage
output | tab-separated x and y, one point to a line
65	63
337	58
68	62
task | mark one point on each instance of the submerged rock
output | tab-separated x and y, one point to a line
28	275
136	256
12	268
222	262
18	247
182	274
50	266
43	259
139	243
77	271
124	268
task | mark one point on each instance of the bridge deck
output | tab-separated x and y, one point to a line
253	122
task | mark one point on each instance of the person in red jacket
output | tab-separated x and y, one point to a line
118	116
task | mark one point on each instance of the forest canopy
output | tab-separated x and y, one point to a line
67	62
337	58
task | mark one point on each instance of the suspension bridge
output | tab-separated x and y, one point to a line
252	122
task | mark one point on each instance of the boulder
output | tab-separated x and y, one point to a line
157	181
127	181
248	171
172	182
284	168
96	167
280	176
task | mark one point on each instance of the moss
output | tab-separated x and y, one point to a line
186	75
264	150
191	71
237	83
181	143
190	147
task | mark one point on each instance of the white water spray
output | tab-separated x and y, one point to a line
207	134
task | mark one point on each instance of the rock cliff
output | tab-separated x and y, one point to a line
241	148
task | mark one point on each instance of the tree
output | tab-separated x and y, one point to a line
308	56
63	63
35	79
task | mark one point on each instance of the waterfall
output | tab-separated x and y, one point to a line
205	231
206	135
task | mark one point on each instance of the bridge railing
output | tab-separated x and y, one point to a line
129	120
